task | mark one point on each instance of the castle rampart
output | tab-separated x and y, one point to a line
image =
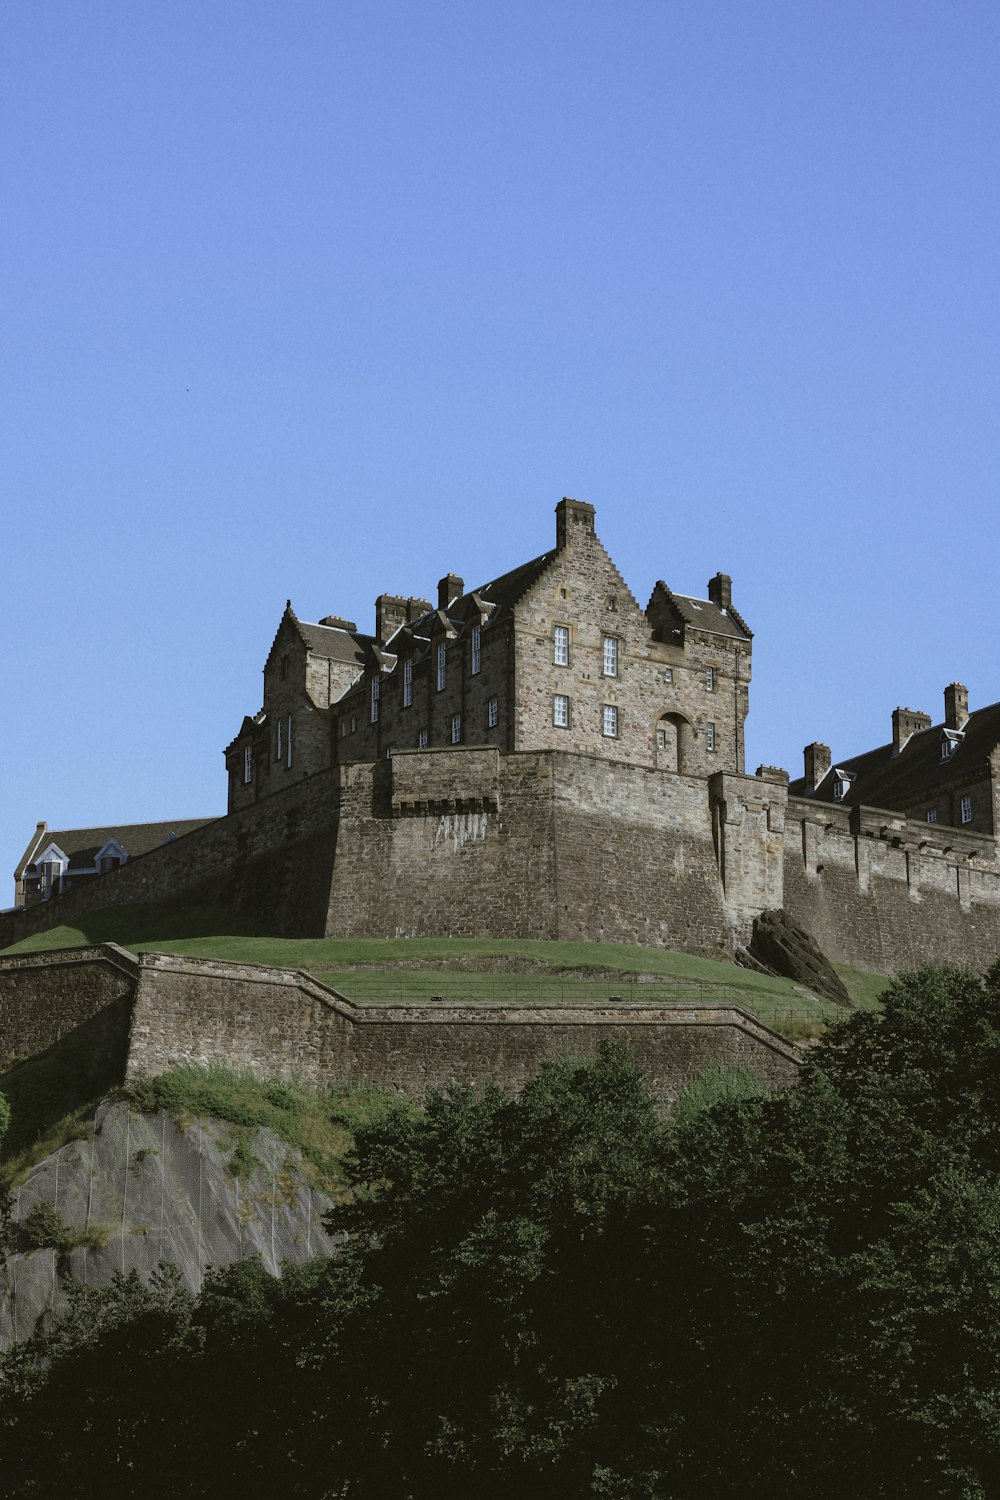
281	1023
555	844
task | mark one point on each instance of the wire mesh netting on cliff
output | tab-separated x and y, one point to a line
142	1190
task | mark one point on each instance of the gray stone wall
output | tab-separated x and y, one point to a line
44	996
278	1022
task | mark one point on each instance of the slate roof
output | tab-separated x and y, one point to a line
332	642
883	779
702	614
83	844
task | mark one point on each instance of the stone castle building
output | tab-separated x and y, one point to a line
541	757
555	655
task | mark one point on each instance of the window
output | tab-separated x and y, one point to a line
661	739
967	809
951	741
247	764
560	711
422	740
560	646
932	814
375	693
456	729
610	721
476	648
407	683
843	781
284	669
710	679
492	713
388	752
354	723
610	656
668	676
108	862
277	748
441	678
288	741
710	737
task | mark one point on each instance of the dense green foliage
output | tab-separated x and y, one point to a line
558	1295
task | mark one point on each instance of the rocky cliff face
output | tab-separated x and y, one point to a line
142	1190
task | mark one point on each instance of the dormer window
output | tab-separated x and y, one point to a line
951	740
842	783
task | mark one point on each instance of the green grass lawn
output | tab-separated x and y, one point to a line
472	969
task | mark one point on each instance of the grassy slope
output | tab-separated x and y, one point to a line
370	967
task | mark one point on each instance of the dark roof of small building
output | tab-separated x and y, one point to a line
885	779
702	614
83	844
332	642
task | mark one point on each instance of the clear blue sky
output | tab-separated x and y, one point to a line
327	299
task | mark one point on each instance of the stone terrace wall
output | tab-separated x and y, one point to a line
281	1023
43	996
886	893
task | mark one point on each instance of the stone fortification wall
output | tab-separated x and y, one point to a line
634	857
44	996
271	860
884	892
281	1023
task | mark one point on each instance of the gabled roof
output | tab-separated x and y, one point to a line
702	614
333	642
884	779
83	844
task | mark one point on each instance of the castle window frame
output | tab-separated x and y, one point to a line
710	737
709	679
284	669
932	815
965	808
668	676
661	739
456	729
609	721
422	738
247	764
951	740
408	683
288	741
442	667
560	710
374	701
354	723
492	713
610	668
277	740
477	649
560	646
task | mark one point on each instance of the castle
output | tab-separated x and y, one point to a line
554	655
541	757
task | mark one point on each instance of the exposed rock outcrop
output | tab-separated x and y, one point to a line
142	1190
780	946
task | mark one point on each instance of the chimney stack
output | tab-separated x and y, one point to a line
817	762
450	588
574	518
907	722
956	706
720	590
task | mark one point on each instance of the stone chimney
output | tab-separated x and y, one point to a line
907	722
574	518
720	590
450	588
956	706
339	623
390	613
816	758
